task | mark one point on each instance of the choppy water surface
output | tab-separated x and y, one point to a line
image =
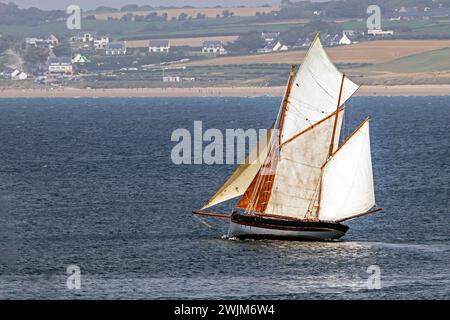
90	182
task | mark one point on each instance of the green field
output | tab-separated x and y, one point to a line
430	61
413	27
144	29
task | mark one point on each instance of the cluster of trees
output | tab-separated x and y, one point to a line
154	17
246	42
6	42
252	41
11	14
309	30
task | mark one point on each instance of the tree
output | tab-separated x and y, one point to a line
130	7
200	16
127	17
139	18
183	16
309	30
36	55
249	41
63	50
226	13
6	42
152	16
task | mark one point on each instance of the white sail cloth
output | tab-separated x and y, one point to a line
297	180
242	177
347	182
313	98
315	92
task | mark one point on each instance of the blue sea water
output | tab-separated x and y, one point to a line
90	182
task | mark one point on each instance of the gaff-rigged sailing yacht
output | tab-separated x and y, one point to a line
307	183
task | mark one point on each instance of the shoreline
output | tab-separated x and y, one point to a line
400	90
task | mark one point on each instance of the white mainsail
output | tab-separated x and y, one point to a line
347	182
315	92
244	174
297	180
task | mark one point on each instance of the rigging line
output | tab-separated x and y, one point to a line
258	191
320	85
305	104
258	181
255	194
204	222
270	159
301	115
303	163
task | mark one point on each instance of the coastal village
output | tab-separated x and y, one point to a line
91	57
103	47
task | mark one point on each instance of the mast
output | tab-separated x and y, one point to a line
257	195
285	103
330	150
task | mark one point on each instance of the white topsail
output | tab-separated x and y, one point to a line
315	92
347	182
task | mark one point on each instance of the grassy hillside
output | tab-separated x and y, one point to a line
430	61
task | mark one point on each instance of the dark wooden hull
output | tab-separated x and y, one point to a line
264	227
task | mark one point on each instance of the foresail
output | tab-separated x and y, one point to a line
315	92
298	172
242	177
347	182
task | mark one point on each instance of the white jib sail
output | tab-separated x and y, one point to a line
297	179
315	92
244	174
347	182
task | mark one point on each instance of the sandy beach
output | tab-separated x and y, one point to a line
402	90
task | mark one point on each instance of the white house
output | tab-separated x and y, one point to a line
379	32
116	48
100	42
61	65
52	39
171	79
80	58
213	47
32	41
18	75
270	37
159	46
85	38
345	40
273	47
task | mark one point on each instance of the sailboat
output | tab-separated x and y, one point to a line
307	183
